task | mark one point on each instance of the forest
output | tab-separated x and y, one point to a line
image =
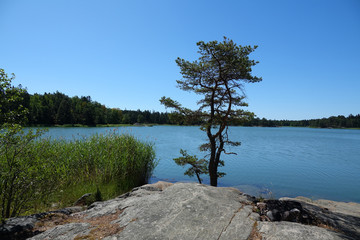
332	122
50	109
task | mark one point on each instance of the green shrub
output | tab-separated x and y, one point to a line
25	176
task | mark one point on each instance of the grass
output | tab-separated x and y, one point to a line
113	163
66	196
61	171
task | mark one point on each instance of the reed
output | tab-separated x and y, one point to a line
110	164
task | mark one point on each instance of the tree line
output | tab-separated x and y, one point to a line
340	121
60	109
33	170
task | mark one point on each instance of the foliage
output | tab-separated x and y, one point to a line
57	108
105	158
12	110
198	166
218	75
60	109
110	163
22	174
332	122
26	174
46	170
36	171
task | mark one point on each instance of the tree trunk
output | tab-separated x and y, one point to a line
213	167
198	177
213	176
212	164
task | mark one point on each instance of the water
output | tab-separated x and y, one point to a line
315	163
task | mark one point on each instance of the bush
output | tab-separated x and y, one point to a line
25	176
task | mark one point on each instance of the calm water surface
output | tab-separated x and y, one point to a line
316	163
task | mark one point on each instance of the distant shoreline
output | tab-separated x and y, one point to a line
152	125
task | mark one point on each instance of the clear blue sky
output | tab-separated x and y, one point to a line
122	53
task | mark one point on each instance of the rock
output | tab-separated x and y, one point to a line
283	210
343	217
271	216
181	211
292	216
18	228
184	211
347	208
295	210
82	201
160	185
289	230
65	232
23	227
196	211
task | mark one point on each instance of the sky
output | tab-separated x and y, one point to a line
122	53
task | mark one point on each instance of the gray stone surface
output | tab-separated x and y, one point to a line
241	225
347	208
190	211
339	215
295	231
65	232
22	227
186	211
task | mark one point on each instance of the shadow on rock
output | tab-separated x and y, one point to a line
304	213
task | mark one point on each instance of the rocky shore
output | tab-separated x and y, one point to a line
192	211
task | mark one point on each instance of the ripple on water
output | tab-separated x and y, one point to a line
318	163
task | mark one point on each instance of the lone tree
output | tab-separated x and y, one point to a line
219	76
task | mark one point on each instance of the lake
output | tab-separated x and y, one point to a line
275	162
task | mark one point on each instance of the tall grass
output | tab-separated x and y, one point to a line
103	159
110	163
